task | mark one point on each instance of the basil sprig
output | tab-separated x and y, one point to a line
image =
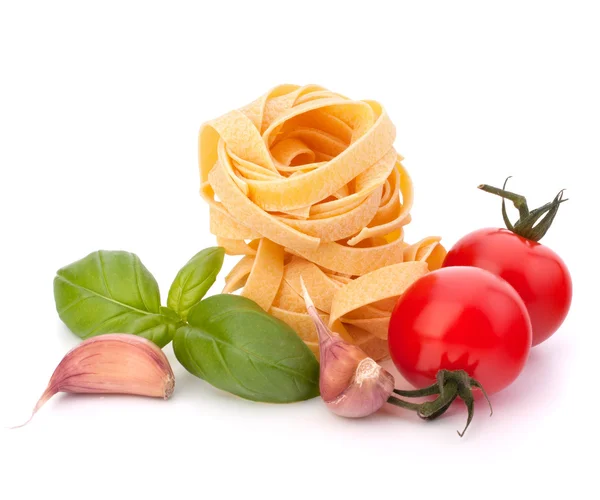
227	340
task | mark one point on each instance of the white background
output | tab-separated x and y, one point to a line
100	106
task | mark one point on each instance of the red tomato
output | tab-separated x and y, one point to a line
460	318
538	274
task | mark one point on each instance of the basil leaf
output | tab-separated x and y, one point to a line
112	292
194	279
234	345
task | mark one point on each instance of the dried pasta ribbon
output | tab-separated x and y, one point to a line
266	274
306	182
386	282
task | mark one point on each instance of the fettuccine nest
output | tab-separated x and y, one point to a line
306	182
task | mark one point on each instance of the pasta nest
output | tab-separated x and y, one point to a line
304	182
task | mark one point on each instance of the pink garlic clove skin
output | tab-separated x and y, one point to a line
351	384
112	363
115	363
338	363
369	390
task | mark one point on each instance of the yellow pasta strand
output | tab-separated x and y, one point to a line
304	182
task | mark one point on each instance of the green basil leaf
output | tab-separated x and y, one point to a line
194	279
112	292
234	345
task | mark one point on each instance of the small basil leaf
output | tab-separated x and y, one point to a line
171	315
112	292
194	279
234	345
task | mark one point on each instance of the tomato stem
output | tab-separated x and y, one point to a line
449	386
417	393
529	224
519	201
403	404
433	409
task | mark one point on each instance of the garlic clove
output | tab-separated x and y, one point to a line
368	392
351	383
112	363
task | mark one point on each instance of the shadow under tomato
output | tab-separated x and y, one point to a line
538	385
541	381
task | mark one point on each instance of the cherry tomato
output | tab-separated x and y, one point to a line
537	273
460	318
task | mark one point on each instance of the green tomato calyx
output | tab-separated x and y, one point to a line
449	385
533	224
